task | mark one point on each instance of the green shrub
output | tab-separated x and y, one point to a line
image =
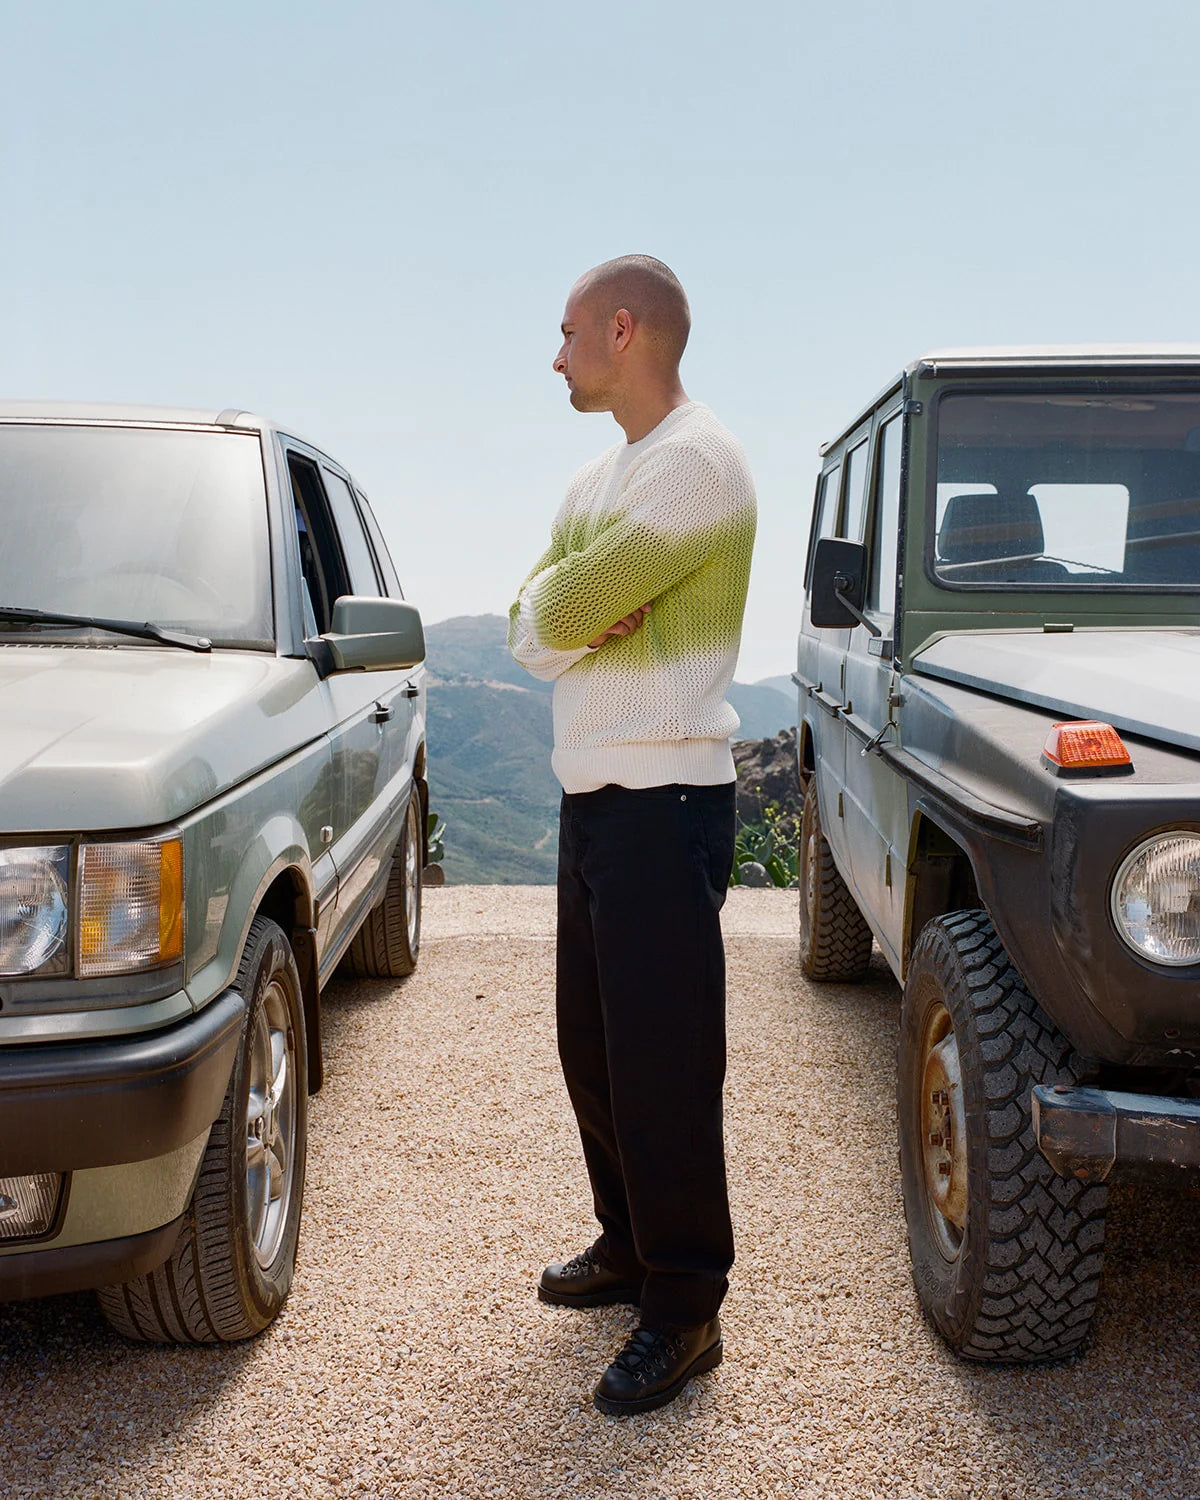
772	844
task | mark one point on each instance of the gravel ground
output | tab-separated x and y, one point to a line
413	1359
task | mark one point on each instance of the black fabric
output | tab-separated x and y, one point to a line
642	878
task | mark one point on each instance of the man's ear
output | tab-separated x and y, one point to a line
622	329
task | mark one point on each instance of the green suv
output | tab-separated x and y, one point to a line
212	789
1000	748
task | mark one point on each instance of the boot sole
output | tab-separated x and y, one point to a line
709	1360
630	1296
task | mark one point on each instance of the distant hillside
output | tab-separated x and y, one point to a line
490	737
785	685
474	648
763	710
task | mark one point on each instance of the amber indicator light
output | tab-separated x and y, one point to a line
1084	743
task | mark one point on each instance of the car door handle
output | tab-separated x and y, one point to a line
382	712
411	690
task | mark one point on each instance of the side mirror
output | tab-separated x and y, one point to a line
839	585
374	635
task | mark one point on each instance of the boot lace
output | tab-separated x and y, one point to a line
584	1264
647	1352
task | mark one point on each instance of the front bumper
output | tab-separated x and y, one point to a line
1086	1133
71	1105
76	1268
126	1121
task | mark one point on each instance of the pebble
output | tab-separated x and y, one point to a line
413	1360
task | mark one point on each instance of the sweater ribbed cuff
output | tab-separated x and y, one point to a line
645	763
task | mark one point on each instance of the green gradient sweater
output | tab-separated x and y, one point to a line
667	521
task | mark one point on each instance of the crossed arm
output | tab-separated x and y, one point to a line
573	602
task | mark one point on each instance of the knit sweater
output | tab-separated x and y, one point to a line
667	521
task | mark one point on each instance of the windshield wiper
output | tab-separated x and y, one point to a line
145	630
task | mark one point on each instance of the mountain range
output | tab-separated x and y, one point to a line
490	736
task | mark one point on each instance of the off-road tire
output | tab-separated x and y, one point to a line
1023	1284
212	1289
388	944
835	941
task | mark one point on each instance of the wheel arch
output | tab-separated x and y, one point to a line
421	784
274	879
806	753
288	901
940	878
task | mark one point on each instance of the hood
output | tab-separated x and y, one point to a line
1144	682
131	737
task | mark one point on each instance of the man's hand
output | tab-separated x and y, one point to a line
626	626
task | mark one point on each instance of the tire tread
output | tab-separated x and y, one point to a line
1042	1248
199	1295
838	947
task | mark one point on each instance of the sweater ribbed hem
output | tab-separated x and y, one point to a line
646	763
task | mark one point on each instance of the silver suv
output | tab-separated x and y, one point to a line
212	790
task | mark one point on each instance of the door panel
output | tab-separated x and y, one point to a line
876	797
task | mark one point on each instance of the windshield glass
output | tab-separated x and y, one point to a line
1061	489
139	524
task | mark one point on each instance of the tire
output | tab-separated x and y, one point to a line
1006	1255
835	941
231	1270
388	943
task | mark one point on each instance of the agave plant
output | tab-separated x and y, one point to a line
766	853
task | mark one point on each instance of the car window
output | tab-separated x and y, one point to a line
884	540
1069	488
825	516
355	548
325	576
856	492
382	556
138	523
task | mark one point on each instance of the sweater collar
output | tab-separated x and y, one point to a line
671	418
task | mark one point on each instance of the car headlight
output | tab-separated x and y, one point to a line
33	910
1156	899
130	906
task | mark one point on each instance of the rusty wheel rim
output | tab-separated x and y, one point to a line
943	1134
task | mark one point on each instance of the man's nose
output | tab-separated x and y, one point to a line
560	361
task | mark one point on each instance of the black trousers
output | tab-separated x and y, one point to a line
642	877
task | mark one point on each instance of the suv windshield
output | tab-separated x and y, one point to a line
139	523
1096	489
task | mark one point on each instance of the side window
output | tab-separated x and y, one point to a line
320	556
382	555
825	516
355	548
856	492
881	595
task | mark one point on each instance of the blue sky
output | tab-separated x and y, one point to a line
363	219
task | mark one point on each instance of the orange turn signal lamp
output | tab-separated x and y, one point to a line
1086	745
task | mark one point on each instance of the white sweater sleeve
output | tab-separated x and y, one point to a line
541	661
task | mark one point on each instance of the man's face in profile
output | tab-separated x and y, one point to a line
585	359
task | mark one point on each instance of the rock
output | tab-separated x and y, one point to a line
750	872
767	775
433	875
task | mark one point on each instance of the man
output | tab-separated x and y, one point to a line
635	612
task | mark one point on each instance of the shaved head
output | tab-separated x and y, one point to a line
652	295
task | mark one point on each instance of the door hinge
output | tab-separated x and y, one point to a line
913	407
